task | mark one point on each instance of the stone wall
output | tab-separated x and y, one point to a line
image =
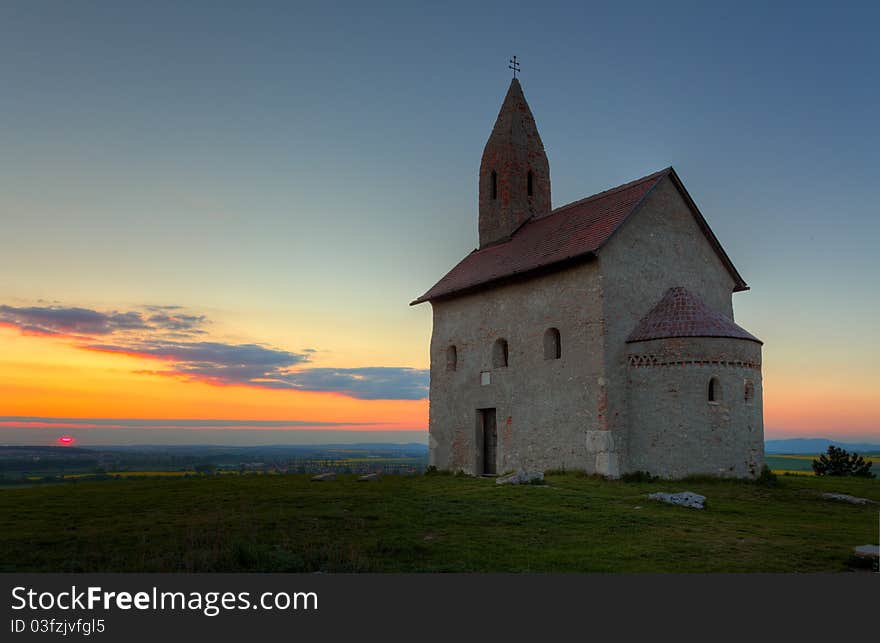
675	430
659	247
545	408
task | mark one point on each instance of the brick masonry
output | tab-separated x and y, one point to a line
513	150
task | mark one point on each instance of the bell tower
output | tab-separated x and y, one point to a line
514	171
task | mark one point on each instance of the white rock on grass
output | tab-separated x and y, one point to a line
871	552
842	497
324	477
521	477
682	499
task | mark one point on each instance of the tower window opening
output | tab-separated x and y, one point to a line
499	354
530	181
494	185
552	344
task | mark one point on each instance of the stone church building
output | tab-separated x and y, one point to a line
596	336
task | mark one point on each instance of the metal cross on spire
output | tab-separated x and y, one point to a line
514	65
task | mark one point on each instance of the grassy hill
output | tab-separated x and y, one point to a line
430	523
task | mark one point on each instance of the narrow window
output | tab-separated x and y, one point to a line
451	358
749	393
530	181
714	390
552	344
494	185
499	354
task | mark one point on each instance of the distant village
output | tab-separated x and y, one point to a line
28	465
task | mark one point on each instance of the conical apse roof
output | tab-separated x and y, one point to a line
680	313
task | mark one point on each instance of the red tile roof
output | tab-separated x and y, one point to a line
680	313
571	232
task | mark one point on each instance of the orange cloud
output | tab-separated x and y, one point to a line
169	335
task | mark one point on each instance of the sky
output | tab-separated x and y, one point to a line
220	211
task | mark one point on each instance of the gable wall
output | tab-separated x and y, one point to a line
660	246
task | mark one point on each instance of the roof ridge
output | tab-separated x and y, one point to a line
582	228
603	193
609	191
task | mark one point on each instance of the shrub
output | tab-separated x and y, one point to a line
767	478
699	478
244	554
838	462
639	476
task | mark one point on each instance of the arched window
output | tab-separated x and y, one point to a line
499	354
451	358
552	344
529	183
714	390
494	185
749	392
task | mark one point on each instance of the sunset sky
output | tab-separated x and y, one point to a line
214	218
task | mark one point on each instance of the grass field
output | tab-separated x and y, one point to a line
430	523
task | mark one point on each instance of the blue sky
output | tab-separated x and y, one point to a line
301	171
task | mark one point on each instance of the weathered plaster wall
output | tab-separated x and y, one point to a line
674	429
660	246
545	408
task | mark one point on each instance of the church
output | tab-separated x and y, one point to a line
597	336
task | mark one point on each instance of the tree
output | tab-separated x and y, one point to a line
837	462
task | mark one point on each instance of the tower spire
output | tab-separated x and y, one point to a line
514	171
